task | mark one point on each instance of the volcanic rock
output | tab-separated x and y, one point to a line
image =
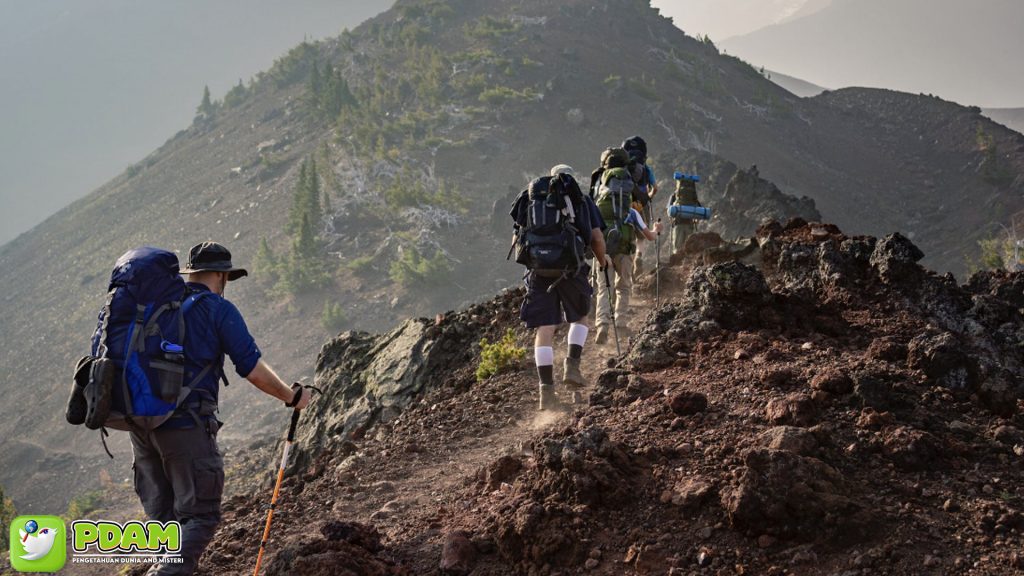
797	409
686	403
790	496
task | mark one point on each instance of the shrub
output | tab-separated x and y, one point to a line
236	95
333	318
502	356
84	504
491	28
501	94
360	265
412	269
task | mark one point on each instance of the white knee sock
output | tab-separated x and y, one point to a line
544	355
578	334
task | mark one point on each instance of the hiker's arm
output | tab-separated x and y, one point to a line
650	234
264	378
597	245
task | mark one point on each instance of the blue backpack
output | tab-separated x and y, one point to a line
134	379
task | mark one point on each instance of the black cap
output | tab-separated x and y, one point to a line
212	257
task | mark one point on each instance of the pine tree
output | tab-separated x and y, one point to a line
299	203
206	106
312	195
304	246
314	88
265	265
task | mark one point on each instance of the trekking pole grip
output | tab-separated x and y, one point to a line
294	424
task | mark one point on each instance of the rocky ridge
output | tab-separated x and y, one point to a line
835	409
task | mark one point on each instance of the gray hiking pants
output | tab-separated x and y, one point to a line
179	475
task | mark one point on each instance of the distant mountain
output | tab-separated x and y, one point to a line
723	19
801	88
424	122
1012	118
964	51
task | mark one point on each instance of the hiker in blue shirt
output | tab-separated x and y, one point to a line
179	472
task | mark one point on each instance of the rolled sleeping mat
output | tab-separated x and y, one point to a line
689	212
684	177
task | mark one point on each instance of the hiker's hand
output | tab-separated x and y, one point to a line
300	397
657	227
607	262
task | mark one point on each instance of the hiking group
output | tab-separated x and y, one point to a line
157	355
572	242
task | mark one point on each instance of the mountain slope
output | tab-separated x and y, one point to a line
801	88
963	51
454	106
100	84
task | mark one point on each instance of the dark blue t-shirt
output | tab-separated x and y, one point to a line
213	328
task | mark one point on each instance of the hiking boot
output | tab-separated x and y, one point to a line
548	400
602	335
571	376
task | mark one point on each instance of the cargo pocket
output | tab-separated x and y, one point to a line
209	483
157	505
170	378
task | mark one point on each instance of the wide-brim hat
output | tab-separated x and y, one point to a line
212	257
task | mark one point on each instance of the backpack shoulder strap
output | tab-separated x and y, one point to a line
187	305
191	299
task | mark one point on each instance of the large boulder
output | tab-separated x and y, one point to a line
895	259
732	294
786	495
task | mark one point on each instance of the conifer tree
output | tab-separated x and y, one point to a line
314	89
304	246
265	265
206	106
299	200
312	195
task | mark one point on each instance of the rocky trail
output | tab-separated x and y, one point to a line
835	410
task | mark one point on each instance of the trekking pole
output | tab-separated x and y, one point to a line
280	477
611	311
657	269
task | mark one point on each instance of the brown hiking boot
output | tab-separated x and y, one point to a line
548	400
571	376
573	379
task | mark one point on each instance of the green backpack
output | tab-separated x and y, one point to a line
614	200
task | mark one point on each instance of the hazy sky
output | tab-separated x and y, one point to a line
722	19
89	87
968	51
